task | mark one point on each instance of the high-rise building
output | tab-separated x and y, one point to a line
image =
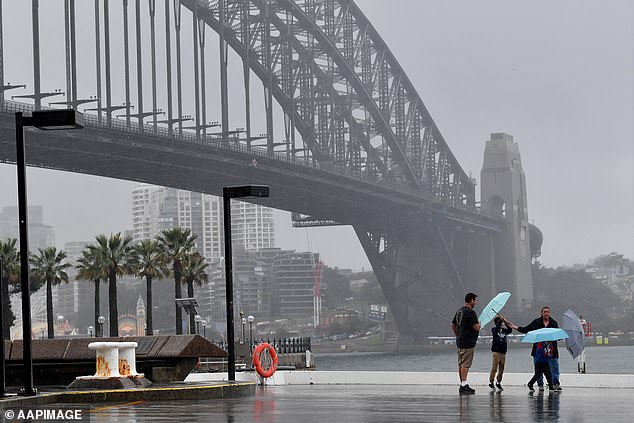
269	283
68	296
292	284
40	235
155	209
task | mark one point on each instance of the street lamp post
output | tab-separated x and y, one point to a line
250	319
197	319
244	323
2	357
100	321
204	323
60	325
91	331
227	194
41	119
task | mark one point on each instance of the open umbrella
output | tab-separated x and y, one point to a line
544	334
493	308
576	339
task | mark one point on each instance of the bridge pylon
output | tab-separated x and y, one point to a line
503	194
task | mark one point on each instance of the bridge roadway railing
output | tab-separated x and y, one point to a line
234	145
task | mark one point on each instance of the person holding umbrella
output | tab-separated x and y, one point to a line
498	350
466	327
544	321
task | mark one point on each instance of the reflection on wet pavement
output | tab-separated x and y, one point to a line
387	403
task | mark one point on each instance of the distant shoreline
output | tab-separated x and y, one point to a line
336	347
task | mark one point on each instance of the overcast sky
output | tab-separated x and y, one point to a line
557	75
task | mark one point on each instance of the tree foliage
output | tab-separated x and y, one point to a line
10	276
48	267
335	288
565	288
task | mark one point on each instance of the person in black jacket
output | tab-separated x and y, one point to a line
545	321
498	351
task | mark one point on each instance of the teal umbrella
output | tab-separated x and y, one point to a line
544	334
493	308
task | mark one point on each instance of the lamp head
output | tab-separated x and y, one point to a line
57	119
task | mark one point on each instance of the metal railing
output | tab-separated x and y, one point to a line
282	345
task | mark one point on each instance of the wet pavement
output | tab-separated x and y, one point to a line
387	403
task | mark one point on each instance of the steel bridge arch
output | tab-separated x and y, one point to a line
305	128
425	162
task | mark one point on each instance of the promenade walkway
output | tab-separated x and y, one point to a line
305	396
392	403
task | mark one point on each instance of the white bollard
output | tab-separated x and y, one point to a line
107	358
127	358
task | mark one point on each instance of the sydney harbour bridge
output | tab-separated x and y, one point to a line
343	138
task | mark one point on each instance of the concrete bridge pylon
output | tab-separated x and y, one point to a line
503	194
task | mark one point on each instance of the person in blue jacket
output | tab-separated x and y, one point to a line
543	354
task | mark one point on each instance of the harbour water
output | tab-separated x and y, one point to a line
599	359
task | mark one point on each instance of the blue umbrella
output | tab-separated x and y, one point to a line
493	308
544	334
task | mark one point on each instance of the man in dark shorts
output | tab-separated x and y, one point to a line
466	327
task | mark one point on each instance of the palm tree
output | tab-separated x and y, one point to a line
47	267
9	271
115	252
149	261
90	267
177	243
194	271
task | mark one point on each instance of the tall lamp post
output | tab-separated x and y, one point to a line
2	358
250	319
197	319
100	321
227	194
45	120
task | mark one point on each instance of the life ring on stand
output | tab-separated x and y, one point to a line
257	363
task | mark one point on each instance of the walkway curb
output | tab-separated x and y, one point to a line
299	377
161	393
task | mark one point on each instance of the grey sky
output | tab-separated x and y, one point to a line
558	76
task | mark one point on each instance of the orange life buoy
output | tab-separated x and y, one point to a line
258	365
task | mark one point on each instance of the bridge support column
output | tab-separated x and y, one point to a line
503	194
